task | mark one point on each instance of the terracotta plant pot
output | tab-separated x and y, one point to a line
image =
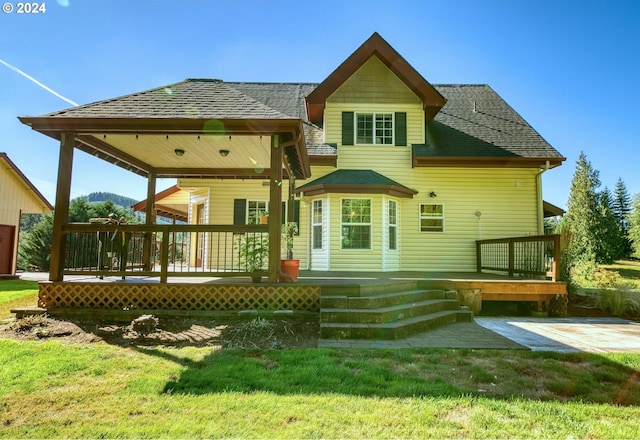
289	267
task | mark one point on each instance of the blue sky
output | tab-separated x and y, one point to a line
570	68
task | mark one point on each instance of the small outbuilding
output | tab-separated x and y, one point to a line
17	196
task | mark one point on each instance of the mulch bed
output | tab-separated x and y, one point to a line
255	333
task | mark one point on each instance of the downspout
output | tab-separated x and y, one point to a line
540	201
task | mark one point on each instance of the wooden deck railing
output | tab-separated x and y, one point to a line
159	250
530	256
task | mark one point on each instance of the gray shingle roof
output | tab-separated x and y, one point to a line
494	129
477	122
192	98
354	178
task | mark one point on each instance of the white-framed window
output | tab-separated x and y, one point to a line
356	224
392	220
255	209
316	224
374	128
431	217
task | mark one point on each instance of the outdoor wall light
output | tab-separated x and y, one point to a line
224	153
433	194
179	152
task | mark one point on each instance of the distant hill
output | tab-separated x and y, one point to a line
99	197
124	202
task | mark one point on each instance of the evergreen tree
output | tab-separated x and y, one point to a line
608	233
634	226
79	211
621	207
581	219
104	209
35	249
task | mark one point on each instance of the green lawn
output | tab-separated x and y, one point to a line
49	389
628	270
17	293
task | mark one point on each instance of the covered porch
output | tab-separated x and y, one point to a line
173	133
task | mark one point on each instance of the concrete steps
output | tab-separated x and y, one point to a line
391	310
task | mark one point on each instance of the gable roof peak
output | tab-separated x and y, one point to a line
375	45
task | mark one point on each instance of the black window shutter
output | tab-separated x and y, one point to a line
401	129
239	212
347	128
296	214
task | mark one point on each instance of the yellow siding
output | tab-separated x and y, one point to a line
506	199
220	209
373	88
385	160
373	82
333	121
16	198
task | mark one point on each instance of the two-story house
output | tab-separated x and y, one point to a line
381	170
405	175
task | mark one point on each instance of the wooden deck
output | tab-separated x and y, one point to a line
188	293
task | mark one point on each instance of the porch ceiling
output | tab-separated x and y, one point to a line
200	151
144	146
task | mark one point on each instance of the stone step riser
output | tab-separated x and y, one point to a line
369	289
385	300
377	316
382	331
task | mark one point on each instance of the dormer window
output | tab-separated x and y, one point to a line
374	128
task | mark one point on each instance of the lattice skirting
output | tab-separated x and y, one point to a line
178	296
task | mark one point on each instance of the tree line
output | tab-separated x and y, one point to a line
600	226
34	251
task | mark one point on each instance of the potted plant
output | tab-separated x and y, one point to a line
253	248
263	217
289	267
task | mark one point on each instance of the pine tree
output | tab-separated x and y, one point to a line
634	226
609	236
581	218
35	249
621	207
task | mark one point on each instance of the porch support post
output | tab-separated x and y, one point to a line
275	210
150	218
61	212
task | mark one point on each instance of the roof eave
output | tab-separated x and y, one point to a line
487	162
432	100
26	181
81	127
326	188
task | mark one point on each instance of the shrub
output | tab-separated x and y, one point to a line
613	300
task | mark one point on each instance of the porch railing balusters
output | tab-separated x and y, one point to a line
120	250
532	256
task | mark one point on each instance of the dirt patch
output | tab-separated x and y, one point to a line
255	333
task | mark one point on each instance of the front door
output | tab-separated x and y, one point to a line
6	248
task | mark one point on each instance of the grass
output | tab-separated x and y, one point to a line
49	389
628	270
17	293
